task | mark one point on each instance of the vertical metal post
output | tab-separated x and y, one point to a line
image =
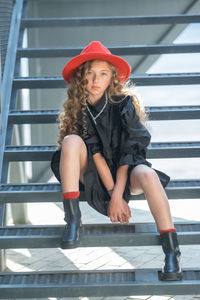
0	98
19	210
2	252
2	206
6	93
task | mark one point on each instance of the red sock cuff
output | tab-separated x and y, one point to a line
71	195
168	230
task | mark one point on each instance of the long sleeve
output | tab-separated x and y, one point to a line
134	138
92	140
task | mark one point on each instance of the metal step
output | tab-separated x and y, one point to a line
117	50
51	192
101	283
173	150
155	113
95	235
139	80
155	150
173	112
29	153
38	116
110	20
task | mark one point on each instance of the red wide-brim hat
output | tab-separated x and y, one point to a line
95	50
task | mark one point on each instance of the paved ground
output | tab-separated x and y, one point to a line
103	258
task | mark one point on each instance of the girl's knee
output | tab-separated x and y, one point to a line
71	142
145	174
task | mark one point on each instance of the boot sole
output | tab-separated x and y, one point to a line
72	245
171	276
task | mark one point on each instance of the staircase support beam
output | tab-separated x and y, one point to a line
6	91
139	80
110	21
100	283
117	50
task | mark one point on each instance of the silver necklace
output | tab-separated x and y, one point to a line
94	118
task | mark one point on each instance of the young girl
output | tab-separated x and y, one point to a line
102	149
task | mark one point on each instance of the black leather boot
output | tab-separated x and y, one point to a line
73	229
170	246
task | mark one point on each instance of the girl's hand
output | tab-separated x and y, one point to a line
118	210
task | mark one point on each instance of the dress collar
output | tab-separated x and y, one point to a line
99	105
96	110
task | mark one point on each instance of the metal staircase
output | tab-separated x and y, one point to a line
89	283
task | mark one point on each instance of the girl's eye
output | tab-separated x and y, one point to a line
104	74
89	72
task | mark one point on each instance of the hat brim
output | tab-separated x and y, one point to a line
122	67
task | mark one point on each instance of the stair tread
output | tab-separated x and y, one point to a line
95	235
111	20
51	192
155	113
96	282
155	150
181	144
144	79
117	50
53	186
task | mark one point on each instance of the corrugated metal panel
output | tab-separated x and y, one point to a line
5	17
100	283
95	235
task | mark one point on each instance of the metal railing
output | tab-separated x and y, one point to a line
6	7
6	98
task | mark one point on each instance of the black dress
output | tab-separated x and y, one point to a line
118	134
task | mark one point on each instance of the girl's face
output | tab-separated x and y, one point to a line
98	79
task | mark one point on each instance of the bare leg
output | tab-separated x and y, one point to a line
145	179
73	162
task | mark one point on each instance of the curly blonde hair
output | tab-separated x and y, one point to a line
77	100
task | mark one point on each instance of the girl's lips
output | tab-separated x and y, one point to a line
95	87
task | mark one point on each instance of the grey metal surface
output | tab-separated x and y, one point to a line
19	212
99	283
51	192
35	116
173	112
117	50
9	73
139	80
1	103
5	18
174	150
111	21
155	113
6	90
155	150
95	235
2	206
